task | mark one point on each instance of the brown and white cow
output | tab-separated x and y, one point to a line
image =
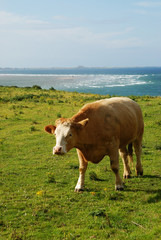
104	127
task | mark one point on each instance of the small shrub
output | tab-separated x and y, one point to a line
21	112
2	224
134	98
158	147
34	122
27	87
32	128
60	101
23	97
59	115
13	107
158	123
51	178
98	213
50	101
36	87
35	98
52	89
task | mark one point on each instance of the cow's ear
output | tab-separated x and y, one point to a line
84	122
50	129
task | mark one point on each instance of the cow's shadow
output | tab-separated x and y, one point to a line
156	193
151	176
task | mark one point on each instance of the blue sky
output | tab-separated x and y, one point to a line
69	33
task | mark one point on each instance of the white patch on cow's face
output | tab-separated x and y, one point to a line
63	134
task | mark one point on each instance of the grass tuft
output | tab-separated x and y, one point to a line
51	178
93	176
32	128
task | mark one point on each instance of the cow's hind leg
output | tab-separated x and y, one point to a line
124	155
138	150
130	155
114	162
82	169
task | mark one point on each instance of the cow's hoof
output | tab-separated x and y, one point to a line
139	173
119	187
78	190
126	176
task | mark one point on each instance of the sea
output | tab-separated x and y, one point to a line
105	81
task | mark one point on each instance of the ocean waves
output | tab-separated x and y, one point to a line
114	84
106	81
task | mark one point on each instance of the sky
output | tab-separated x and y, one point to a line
71	33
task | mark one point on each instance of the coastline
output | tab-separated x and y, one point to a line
113	81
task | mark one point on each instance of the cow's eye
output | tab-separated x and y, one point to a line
70	134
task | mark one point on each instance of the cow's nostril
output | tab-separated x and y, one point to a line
59	149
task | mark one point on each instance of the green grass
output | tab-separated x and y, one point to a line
37	198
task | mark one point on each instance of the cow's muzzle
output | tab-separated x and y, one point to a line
58	150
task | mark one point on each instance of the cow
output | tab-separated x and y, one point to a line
104	127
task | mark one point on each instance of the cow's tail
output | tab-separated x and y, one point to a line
130	154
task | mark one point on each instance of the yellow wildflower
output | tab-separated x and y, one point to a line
93	193
40	193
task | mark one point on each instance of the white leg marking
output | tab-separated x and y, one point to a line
80	183
119	187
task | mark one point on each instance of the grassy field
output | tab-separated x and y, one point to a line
37	198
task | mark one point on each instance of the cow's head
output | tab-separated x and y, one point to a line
67	133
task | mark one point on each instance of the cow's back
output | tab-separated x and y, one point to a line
118	117
127	114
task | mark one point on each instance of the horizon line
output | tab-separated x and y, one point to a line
79	67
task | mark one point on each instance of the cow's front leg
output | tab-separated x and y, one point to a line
82	169
114	161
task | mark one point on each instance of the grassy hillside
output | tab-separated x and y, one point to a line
37	199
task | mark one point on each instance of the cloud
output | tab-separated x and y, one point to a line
27	40
65	33
107	40
8	19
